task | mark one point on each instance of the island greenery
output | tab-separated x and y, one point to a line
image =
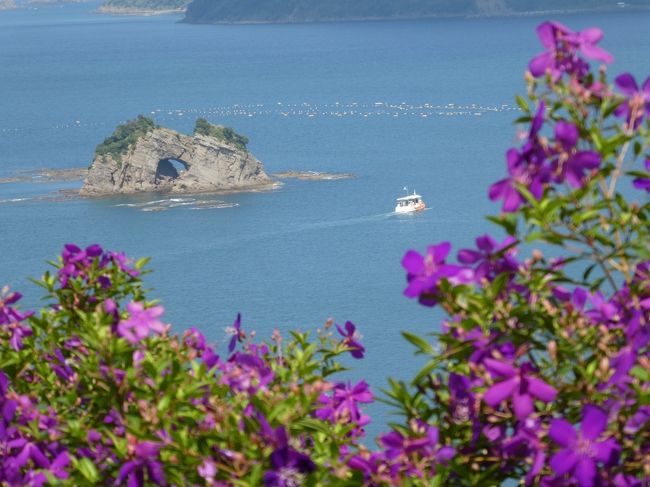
209	11
225	134
125	136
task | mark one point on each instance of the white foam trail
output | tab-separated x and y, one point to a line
14	200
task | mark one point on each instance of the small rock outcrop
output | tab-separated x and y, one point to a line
165	160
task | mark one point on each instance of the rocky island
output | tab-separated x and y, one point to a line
142	157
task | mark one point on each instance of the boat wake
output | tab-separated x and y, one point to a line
13	200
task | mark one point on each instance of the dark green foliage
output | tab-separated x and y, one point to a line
226	134
125	136
207	11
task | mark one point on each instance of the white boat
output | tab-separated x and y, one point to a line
409	203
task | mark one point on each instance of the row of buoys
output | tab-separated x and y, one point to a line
305	109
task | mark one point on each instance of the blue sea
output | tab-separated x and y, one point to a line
427	105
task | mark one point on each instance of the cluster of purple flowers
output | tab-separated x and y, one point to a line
77	262
12	321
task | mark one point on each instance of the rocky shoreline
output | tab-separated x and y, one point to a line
47	175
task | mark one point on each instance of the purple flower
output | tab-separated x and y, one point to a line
643	183
289	467
491	258
141	322
122	261
528	167
208	470
518	384
581	451
144	464
562	47
637	102
236	334
76	262
571	164
425	444
11	320
424	272
351	339
343	405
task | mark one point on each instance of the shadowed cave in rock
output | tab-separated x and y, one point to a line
169	169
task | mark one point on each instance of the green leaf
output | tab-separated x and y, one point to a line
87	469
423	346
523	104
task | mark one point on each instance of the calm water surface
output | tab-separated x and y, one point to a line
426	105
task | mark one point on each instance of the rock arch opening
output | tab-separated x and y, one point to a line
169	169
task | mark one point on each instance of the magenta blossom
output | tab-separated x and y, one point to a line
343	404
492	258
424	272
141	322
519	384
528	167
571	164
236	334
637	102
351	339
146	463
581	451
562	48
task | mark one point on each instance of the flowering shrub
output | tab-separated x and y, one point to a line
543	369
540	374
95	390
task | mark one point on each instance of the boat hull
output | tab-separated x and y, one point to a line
410	208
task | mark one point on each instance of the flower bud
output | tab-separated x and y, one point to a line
552	350
604	365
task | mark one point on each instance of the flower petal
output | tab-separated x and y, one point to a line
496	394
562	432
563	461
594	422
627	84
495	367
413	262
585	472
523	405
541	390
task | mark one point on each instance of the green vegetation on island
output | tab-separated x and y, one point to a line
225	134
125	136
213	11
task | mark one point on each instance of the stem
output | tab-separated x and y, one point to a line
621	156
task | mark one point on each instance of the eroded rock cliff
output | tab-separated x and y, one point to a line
166	160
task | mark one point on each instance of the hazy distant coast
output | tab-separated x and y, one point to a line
298	11
137	11
143	7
